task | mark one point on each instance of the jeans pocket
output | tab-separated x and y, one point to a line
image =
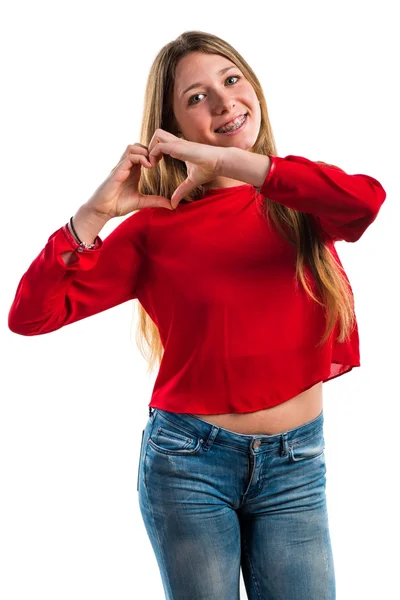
140	460
169	439
307	448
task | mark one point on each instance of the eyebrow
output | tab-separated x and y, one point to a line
199	84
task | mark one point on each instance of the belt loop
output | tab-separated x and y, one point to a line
284	444
211	437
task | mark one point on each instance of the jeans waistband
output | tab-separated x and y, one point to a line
207	431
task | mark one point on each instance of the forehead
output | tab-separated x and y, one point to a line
196	66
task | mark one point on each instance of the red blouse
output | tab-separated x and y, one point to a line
219	282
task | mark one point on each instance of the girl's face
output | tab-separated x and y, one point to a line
218	93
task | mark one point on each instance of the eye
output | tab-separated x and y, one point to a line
191	102
233	77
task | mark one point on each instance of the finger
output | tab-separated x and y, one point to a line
137	145
158	201
155	139
171	148
183	190
160	135
137	158
156	154
126	163
135	149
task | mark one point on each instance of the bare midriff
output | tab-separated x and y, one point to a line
288	415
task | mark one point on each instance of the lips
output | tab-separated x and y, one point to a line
230	121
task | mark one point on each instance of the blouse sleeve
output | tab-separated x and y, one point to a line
52	294
342	205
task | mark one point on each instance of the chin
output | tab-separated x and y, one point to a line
244	144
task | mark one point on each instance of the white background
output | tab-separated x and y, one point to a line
74	402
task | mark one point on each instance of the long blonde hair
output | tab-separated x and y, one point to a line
296	227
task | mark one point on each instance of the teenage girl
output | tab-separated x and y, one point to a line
245	305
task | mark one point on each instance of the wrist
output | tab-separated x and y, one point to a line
245	166
92	216
85	226
225	162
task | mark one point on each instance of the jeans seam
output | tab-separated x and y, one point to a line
251	569
187	433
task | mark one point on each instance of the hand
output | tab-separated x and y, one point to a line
203	162
118	195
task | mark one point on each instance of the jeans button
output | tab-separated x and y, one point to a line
256	444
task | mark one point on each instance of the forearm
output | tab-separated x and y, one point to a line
343	205
245	166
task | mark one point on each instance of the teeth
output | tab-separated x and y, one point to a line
232	126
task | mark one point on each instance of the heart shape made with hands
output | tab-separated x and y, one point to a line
203	162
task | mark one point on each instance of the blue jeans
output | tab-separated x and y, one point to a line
214	501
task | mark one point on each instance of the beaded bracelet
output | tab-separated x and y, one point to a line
81	244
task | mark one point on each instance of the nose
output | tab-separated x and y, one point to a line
223	102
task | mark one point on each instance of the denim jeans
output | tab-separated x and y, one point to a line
214	501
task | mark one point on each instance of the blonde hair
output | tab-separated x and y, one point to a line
296	227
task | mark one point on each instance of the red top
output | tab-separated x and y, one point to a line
219	282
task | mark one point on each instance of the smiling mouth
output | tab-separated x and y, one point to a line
227	128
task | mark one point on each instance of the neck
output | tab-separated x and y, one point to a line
223	182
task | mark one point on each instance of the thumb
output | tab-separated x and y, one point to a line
181	191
